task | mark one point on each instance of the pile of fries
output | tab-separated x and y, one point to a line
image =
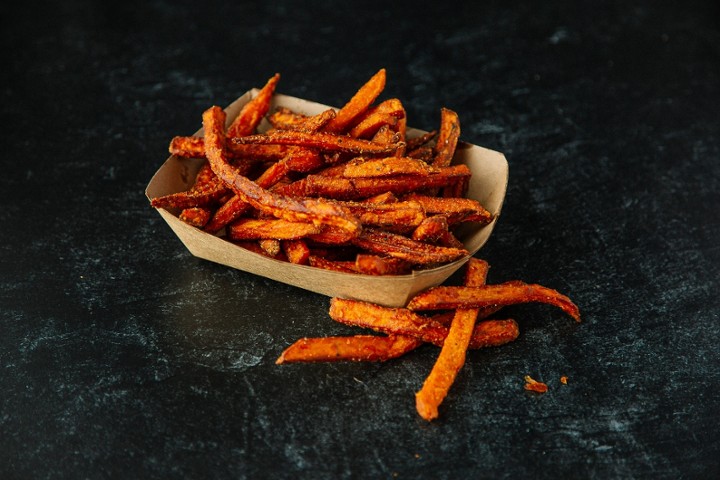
345	190
348	190
460	322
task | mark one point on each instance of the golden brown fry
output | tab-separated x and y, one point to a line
388	113
396	217
318	212
388	166
271	246
421	140
509	293
401	321
452	354
379	265
196	216
251	154
431	229
297	251
358	348
284	118
341	188
236	207
252	112
387	136
398	246
334	265
358	104
447	139
256	228
325	141
205	197
454	209
317	122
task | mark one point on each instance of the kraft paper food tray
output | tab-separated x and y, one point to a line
488	185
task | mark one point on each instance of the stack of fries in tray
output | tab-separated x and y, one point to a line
354	204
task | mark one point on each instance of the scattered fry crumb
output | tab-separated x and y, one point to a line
563	380
535	386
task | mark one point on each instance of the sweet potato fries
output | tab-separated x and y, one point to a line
463	324
342	180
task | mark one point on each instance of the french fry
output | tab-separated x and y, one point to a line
271	246
398	246
435	230
387	136
315	211
341	188
401	321
420	141
358	348
251	154
509	293
196	216
296	250
447	138
253	112
325	141
455	210
275	228
388	166
389	112
334	265
396	217
188	199
380	265
358	104
285	119
452	354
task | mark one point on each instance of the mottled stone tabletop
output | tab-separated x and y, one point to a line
123	356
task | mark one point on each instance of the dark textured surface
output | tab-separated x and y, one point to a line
123	356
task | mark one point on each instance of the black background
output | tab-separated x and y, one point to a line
124	356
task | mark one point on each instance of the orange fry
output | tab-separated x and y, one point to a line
255	228
196	216
271	246
377	265
308	210
398	246
194	147
341	188
452	354
509	293
401	321
334	265
358	348
358	104
284	118
296	251
447	138
388	112
454	209
252	112
325	141
181	200
421	140
236	207
398	216
388	166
